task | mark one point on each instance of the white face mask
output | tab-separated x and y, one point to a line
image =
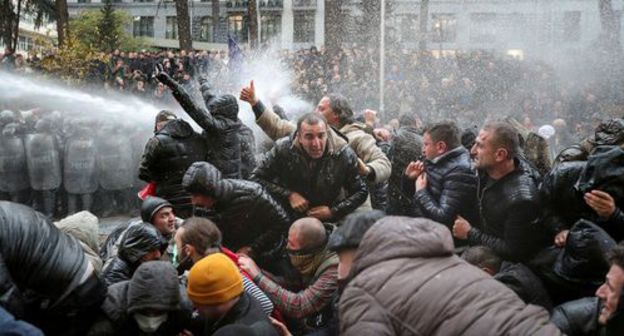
149	324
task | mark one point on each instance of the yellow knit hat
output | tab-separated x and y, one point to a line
214	280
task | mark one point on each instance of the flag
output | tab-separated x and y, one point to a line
235	55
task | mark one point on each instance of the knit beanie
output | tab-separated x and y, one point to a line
214	280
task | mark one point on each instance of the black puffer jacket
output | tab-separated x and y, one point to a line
451	189
286	169
510	211
154	286
166	158
248	151
578	269
38	256
138	240
244	212
580	318
564	204
220	124
525	283
406	146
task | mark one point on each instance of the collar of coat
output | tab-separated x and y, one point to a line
336	141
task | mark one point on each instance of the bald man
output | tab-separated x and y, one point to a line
318	268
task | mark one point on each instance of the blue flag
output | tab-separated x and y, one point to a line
235	55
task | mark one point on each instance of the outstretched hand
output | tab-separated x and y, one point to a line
248	94
159	71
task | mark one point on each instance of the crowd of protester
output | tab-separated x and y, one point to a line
352	223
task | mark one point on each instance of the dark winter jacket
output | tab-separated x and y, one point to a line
564	204
525	283
451	189
154	286
246	214
578	269
37	256
219	120
246	312
510	212
286	169
138	240
406	146
166	158
248	151
406	281
580	318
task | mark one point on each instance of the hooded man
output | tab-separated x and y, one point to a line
218	119
247	215
152	302
140	243
167	156
405	280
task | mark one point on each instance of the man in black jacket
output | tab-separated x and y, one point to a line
309	171
445	184
174	147
600	315
44	273
250	220
508	198
219	120
140	243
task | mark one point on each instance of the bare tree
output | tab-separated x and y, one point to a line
62	22
184	25
334	27
252	12
610	25
215	19
423	21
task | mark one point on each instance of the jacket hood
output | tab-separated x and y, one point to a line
201	178
139	240
177	128
396	237
154	285
225	105
84	227
151	206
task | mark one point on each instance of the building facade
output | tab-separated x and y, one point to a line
514	26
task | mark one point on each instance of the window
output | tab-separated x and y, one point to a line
84	1
483	27
270	26
24	43
205	30
409	27
237	27
304	27
571	31
143	26
443	28
171	31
